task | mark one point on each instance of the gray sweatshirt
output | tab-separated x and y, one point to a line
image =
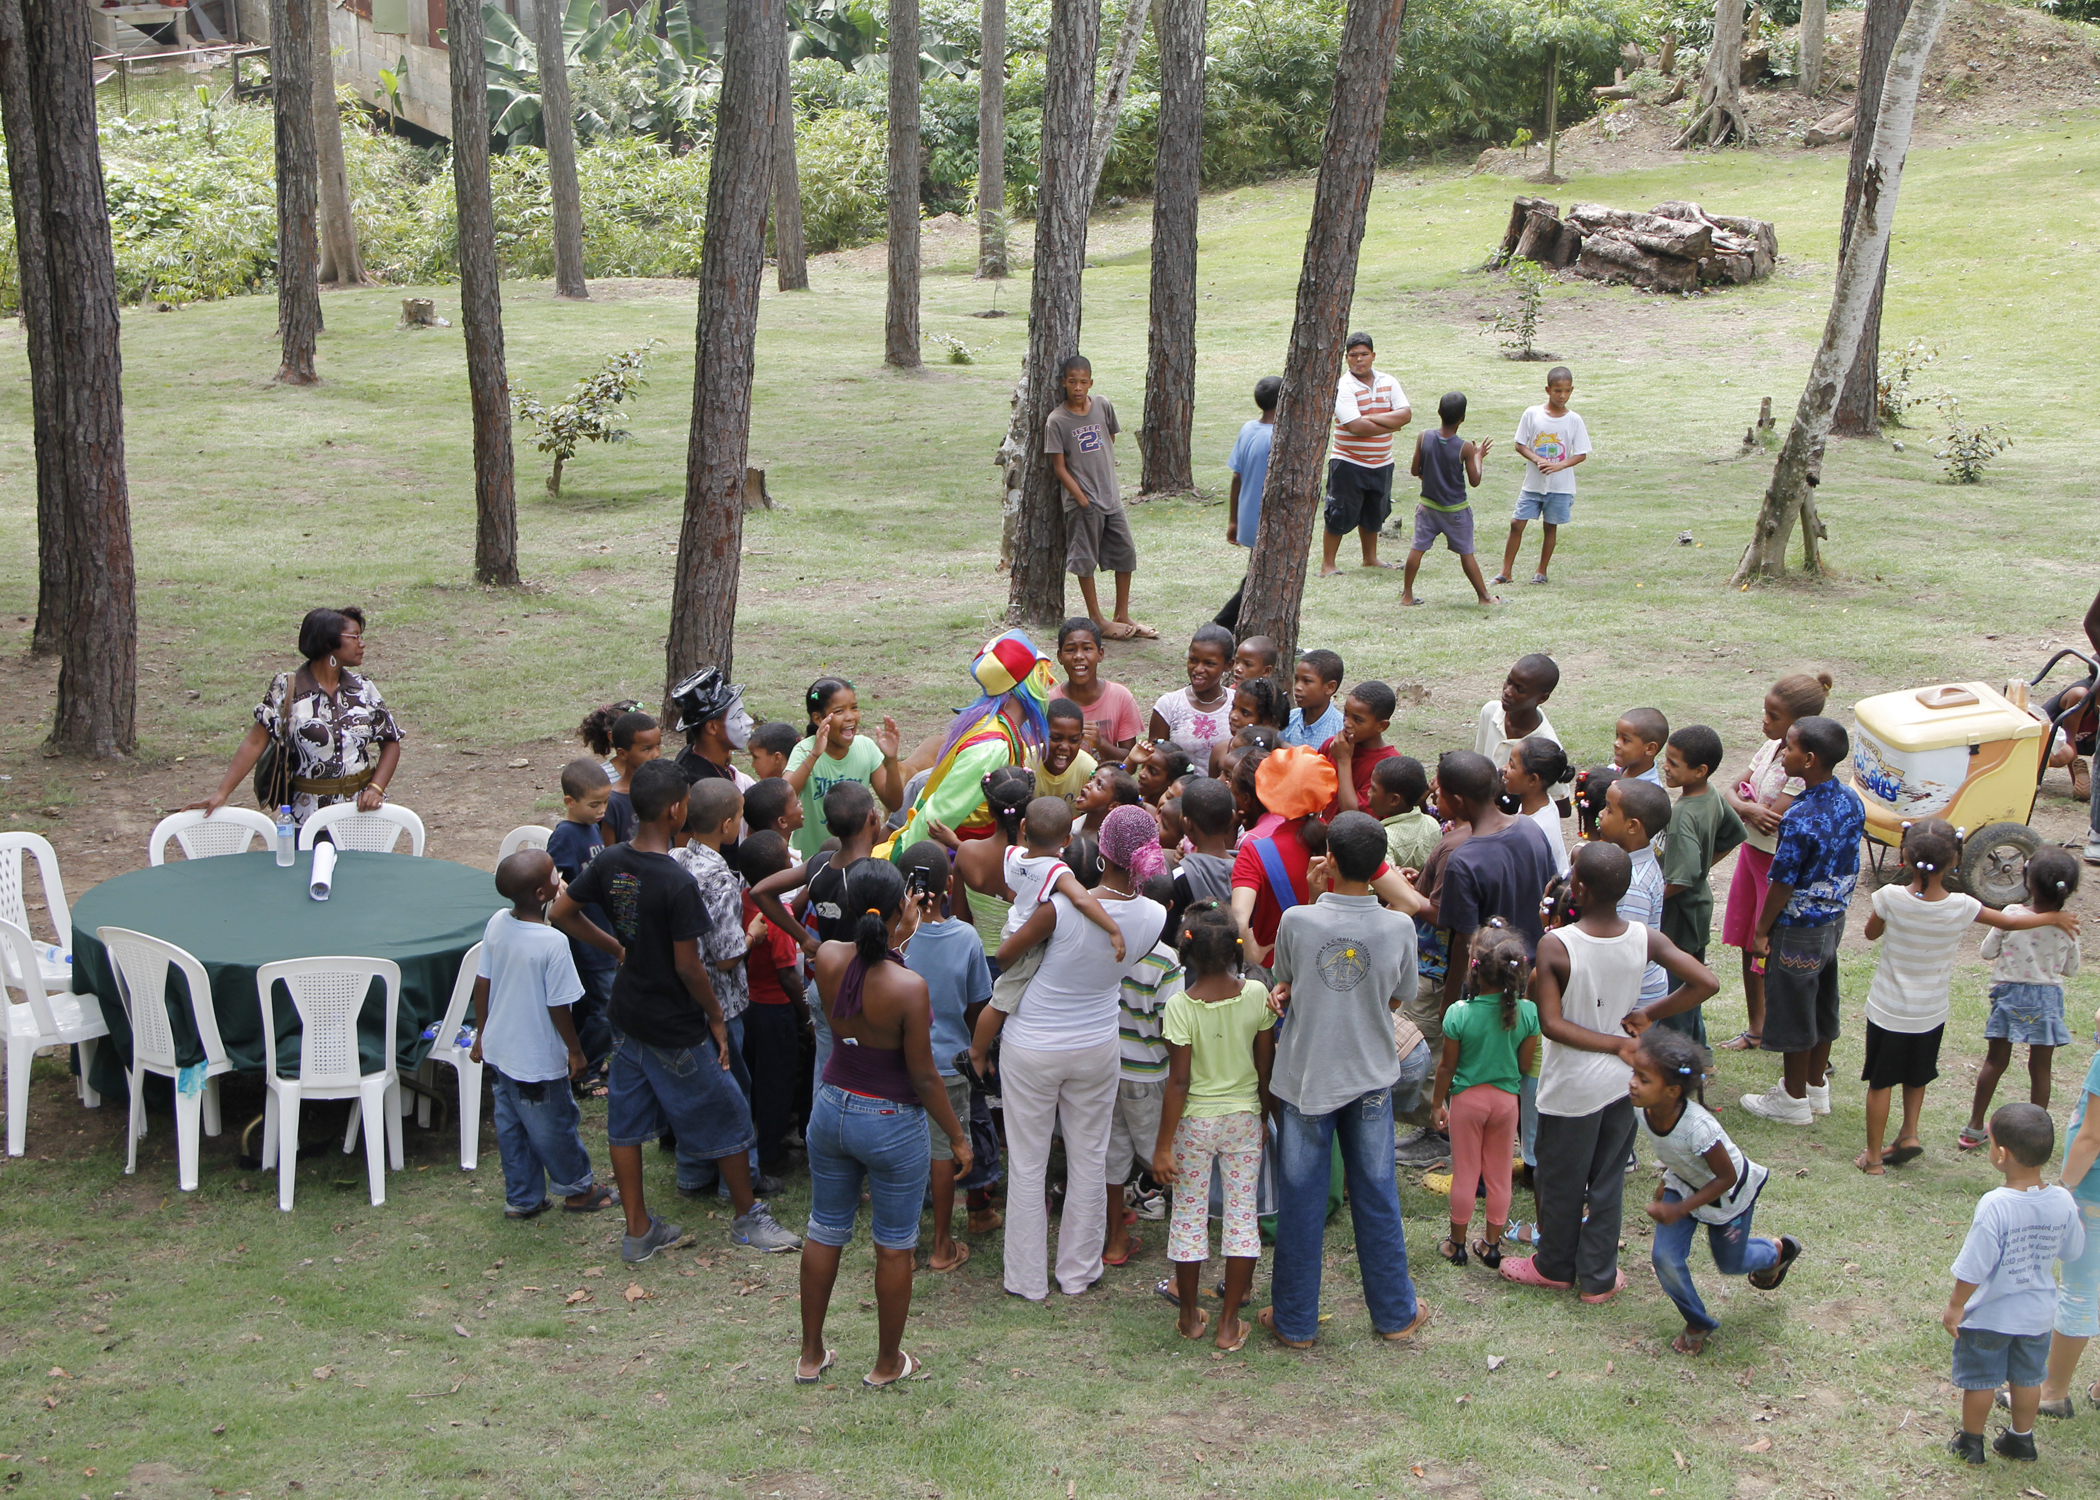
1348	961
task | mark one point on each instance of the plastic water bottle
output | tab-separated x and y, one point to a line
287	837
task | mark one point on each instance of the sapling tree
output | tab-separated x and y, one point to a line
1520	326
593	413
1966	446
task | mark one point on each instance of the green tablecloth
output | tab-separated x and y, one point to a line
239	912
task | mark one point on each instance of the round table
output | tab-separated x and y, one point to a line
240	911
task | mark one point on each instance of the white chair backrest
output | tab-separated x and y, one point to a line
524	836
370	832
329	994
19	951
14	904
461	1005
230	830
141	963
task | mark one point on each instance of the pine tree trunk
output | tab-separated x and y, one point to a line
1553	116
1859	403
298	253
790	253
1810	69
98	671
340	261
1800	460
1170	372
1363	79
33	260
900	323
1036	587
732	263
481	303
991	140
1114	91
1720	111
558	117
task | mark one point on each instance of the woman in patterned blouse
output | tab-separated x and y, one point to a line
342	737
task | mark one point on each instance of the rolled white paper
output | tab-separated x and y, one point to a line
324	871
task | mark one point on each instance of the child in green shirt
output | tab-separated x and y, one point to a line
1490	1042
1703	828
1399	786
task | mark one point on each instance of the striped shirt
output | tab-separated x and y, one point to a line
1150	984
1355	398
1918	947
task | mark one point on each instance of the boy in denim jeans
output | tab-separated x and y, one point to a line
524	988
670	1055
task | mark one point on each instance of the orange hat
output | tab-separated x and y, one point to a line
1294	781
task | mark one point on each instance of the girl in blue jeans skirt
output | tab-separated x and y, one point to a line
1706	1180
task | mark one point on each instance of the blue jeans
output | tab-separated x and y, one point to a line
1528	1119
2078	1303
542	1152
823	1033
593	1030
1736	1253
850	1137
696	1173
1364	1128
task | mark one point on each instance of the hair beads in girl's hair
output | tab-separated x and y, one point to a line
1007	792
1931	846
1501	966
2052	875
1682	1062
596	730
1210	939
1258	701
1590	789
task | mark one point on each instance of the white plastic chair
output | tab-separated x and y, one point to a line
524	836
329	994
141	965
42	1018
54	961
230	830
371	832
445	1048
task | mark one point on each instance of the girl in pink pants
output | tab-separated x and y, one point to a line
1490	1040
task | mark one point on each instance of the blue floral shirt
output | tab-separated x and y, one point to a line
1818	854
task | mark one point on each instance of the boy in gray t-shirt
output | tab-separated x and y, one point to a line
1079	440
2004	1286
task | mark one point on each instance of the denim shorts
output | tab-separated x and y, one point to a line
1984	1360
850	1137
683	1088
2032	1014
1801	987
1553	507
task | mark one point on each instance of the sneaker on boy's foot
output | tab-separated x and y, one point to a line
758	1230
1819	1098
1968	1447
2015	1445
1152	1205
636	1248
1421	1148
1777	1104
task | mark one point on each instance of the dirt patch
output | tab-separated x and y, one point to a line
1992	63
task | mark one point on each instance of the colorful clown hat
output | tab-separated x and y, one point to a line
1295	781
1011	661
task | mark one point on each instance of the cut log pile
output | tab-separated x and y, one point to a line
1675	247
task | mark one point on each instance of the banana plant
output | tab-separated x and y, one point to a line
849	33
662	85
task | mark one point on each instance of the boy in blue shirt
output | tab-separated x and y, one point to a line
524	990
574	843
949	955
1249	464
1317	718
1814	870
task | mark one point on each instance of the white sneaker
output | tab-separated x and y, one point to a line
1819	1098
1777	1104
2092	850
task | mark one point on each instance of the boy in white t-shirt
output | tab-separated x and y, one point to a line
523	988
1519	713
1553	440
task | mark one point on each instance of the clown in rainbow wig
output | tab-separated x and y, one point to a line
1015	686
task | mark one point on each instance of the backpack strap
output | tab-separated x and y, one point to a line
1279	882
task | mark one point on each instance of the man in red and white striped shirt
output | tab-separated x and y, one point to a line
1369	407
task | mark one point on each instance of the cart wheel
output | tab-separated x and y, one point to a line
1994	862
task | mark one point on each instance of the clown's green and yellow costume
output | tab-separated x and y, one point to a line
1015	680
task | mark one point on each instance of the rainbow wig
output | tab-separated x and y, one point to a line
1008	664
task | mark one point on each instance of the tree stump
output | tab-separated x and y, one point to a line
420	312
1519	214
756	496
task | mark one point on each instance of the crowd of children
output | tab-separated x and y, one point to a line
1325	936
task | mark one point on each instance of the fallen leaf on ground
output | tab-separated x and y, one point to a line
324	1372
1553	1374
219	1431
1762	1445
57	1372
1415	1469
1497	1361
461	1330
530	1289
1851	1265
636	1292
1610	1365
579	1295
1681	1464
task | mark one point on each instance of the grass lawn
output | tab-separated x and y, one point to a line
170	1345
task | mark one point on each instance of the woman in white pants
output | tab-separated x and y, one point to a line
1060	1059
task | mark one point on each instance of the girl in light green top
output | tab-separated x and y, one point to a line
834	750
1220	1046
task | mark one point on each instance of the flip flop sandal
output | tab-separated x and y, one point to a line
1689	1342
1164	1289
911	1368
831	1357
1202	1327
1896	1156
602	1197
1402	1335
1119	630
1136	1246
1410	603
1143	632
1522	1232
1768	1280
1971	1138
529	1213
962	1255
1499	578
1267	1319
1745	1041
1246	1330
1537	578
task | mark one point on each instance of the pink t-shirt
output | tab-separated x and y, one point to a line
1114	714
1195	729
